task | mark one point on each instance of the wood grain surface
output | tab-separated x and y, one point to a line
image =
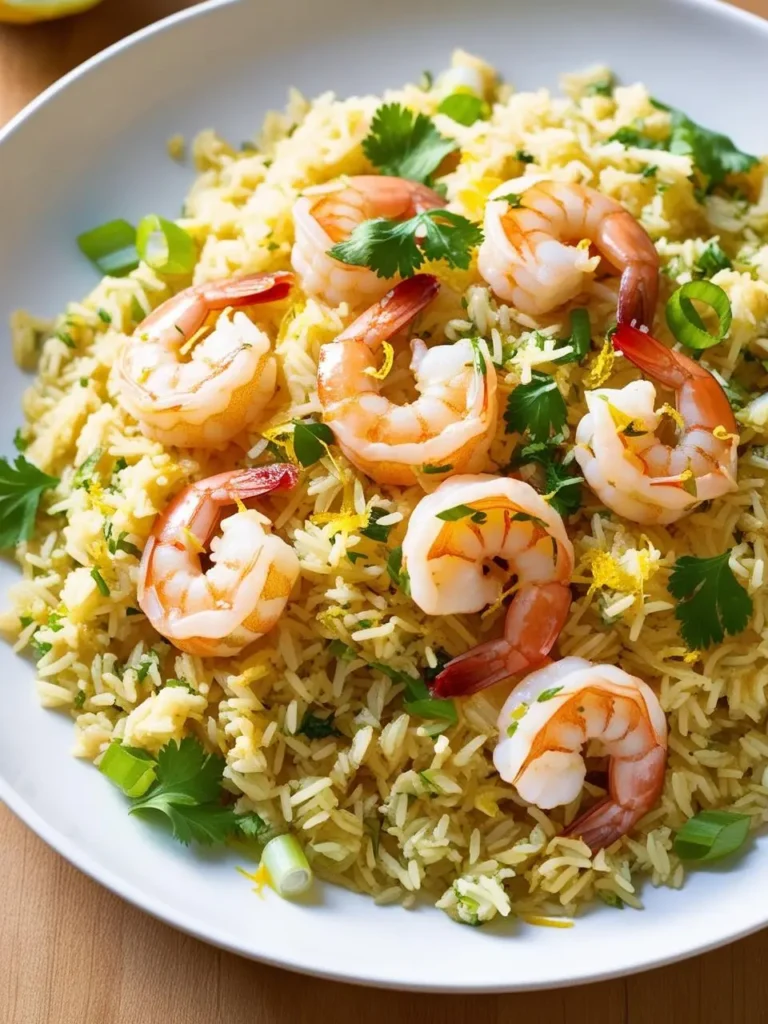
72	953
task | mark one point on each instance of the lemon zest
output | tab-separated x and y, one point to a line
384	370
260	878
584	244
692	657
282	435
669	410
546	922
721	433
241	506
500	600
608	573
453	278
96	496
601	368
192	541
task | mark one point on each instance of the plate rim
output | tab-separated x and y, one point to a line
79	856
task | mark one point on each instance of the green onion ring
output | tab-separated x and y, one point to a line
165	246
686	324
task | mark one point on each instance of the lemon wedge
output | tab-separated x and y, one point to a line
27	11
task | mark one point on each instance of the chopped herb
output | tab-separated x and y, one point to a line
310	441
513	200
391	247
427	81
546	695
178	683
372	530
120	544
355	556
428	470
316	728
405	145
85	471
452	515
40	647
84	382
610	899
711	835
111	247
478	358
604	87
145	664
464	108
526	517
524	157
649	171
736	393
537	407
512	729
580	338
562	487
21	488
711	601
79	700
338	649
104	316
54	622
632	137
188	793
714	154
67	338
19	442
98	579
397	574
711	260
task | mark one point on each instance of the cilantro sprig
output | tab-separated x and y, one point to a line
405	144
21	487
711	600
537	407
187	792
391	247
562	487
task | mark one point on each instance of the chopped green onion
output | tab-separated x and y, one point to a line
686	324
130	769
100	582
432	707
452	515
287	866
111	247
437	469
548	694
711	835
104	316
165	246
338	649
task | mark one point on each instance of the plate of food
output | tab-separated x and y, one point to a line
385	460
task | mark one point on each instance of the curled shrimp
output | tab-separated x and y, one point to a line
463	544
230	375
451	423
533	254
219	611
548	718
328	214
629	468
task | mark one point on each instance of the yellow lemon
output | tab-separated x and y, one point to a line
25	11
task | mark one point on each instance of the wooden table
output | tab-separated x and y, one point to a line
72	953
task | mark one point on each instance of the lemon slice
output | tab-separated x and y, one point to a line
24	11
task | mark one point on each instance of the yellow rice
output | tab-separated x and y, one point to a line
384	808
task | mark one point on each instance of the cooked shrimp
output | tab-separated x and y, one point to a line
229	376
449	425
548	718
463	544
328	214
533	255
219	611
624	462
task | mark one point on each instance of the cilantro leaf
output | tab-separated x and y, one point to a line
714	154
316	728
464	108
397	574
20	443
537	407
310	441
21	487
712	601
372	530
400	247
629	136
711	260
580	337
405	144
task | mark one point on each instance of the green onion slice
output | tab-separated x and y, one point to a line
287	866
130	769
686	324
711	835
165	246
111	247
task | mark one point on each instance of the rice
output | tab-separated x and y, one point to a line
381	805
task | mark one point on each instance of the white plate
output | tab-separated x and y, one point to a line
93	148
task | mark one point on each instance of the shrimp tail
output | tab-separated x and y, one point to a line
257	481
247	291
483	666
650	356
638	292
394	311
